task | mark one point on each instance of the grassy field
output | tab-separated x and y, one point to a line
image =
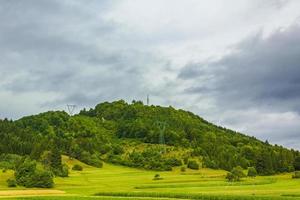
118	182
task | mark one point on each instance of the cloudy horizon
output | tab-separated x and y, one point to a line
234	63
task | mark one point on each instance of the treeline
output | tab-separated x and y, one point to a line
217	147
105	133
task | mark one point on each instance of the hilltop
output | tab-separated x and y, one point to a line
130	134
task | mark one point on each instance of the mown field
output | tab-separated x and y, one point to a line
118	182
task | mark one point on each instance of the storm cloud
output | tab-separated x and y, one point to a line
237	66
258	83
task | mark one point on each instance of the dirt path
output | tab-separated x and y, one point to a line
5	193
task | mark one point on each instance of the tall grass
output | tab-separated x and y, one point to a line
207	184
191	196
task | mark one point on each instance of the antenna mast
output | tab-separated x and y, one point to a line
148	100
71	108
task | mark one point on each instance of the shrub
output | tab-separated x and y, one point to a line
157	177
297	174
77	167
192	164
183	169
24	171
28	175
231	177
291	168
41	179
185	160
91	159
236	174
64	171
11	182
252	172
174	162
9	161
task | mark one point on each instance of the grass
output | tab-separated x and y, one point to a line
118	182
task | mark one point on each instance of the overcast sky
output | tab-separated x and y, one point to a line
234	62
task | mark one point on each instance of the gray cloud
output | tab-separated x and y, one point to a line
67	49
260	71
259	78
84	52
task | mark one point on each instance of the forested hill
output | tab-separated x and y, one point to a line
136	135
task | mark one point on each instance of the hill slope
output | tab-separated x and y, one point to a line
129	134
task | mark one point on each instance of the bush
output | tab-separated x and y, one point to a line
9	161
91	159
41	179
252	172
157	177
236	174
11	182
291	168
185	160
183	169
28	175
173	162
64	171
297	174
77	167
192	164
231	177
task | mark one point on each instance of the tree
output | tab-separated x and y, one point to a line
297	163
264	163
252	172
11	182
236	174
296	175
52	161
29	176
192	164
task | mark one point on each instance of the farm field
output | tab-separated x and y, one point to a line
114	182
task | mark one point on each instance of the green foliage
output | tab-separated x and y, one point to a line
149	158
192	164
235	174
101	134
64	171
28	175
52	161
297	163
252	172
157	177
92	160
183	169
77	167
264	164
11	182
9	161
296	175
231	177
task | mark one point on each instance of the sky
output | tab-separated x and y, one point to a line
235	63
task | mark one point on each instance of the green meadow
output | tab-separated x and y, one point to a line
119	182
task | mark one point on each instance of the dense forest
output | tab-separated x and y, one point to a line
135	135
